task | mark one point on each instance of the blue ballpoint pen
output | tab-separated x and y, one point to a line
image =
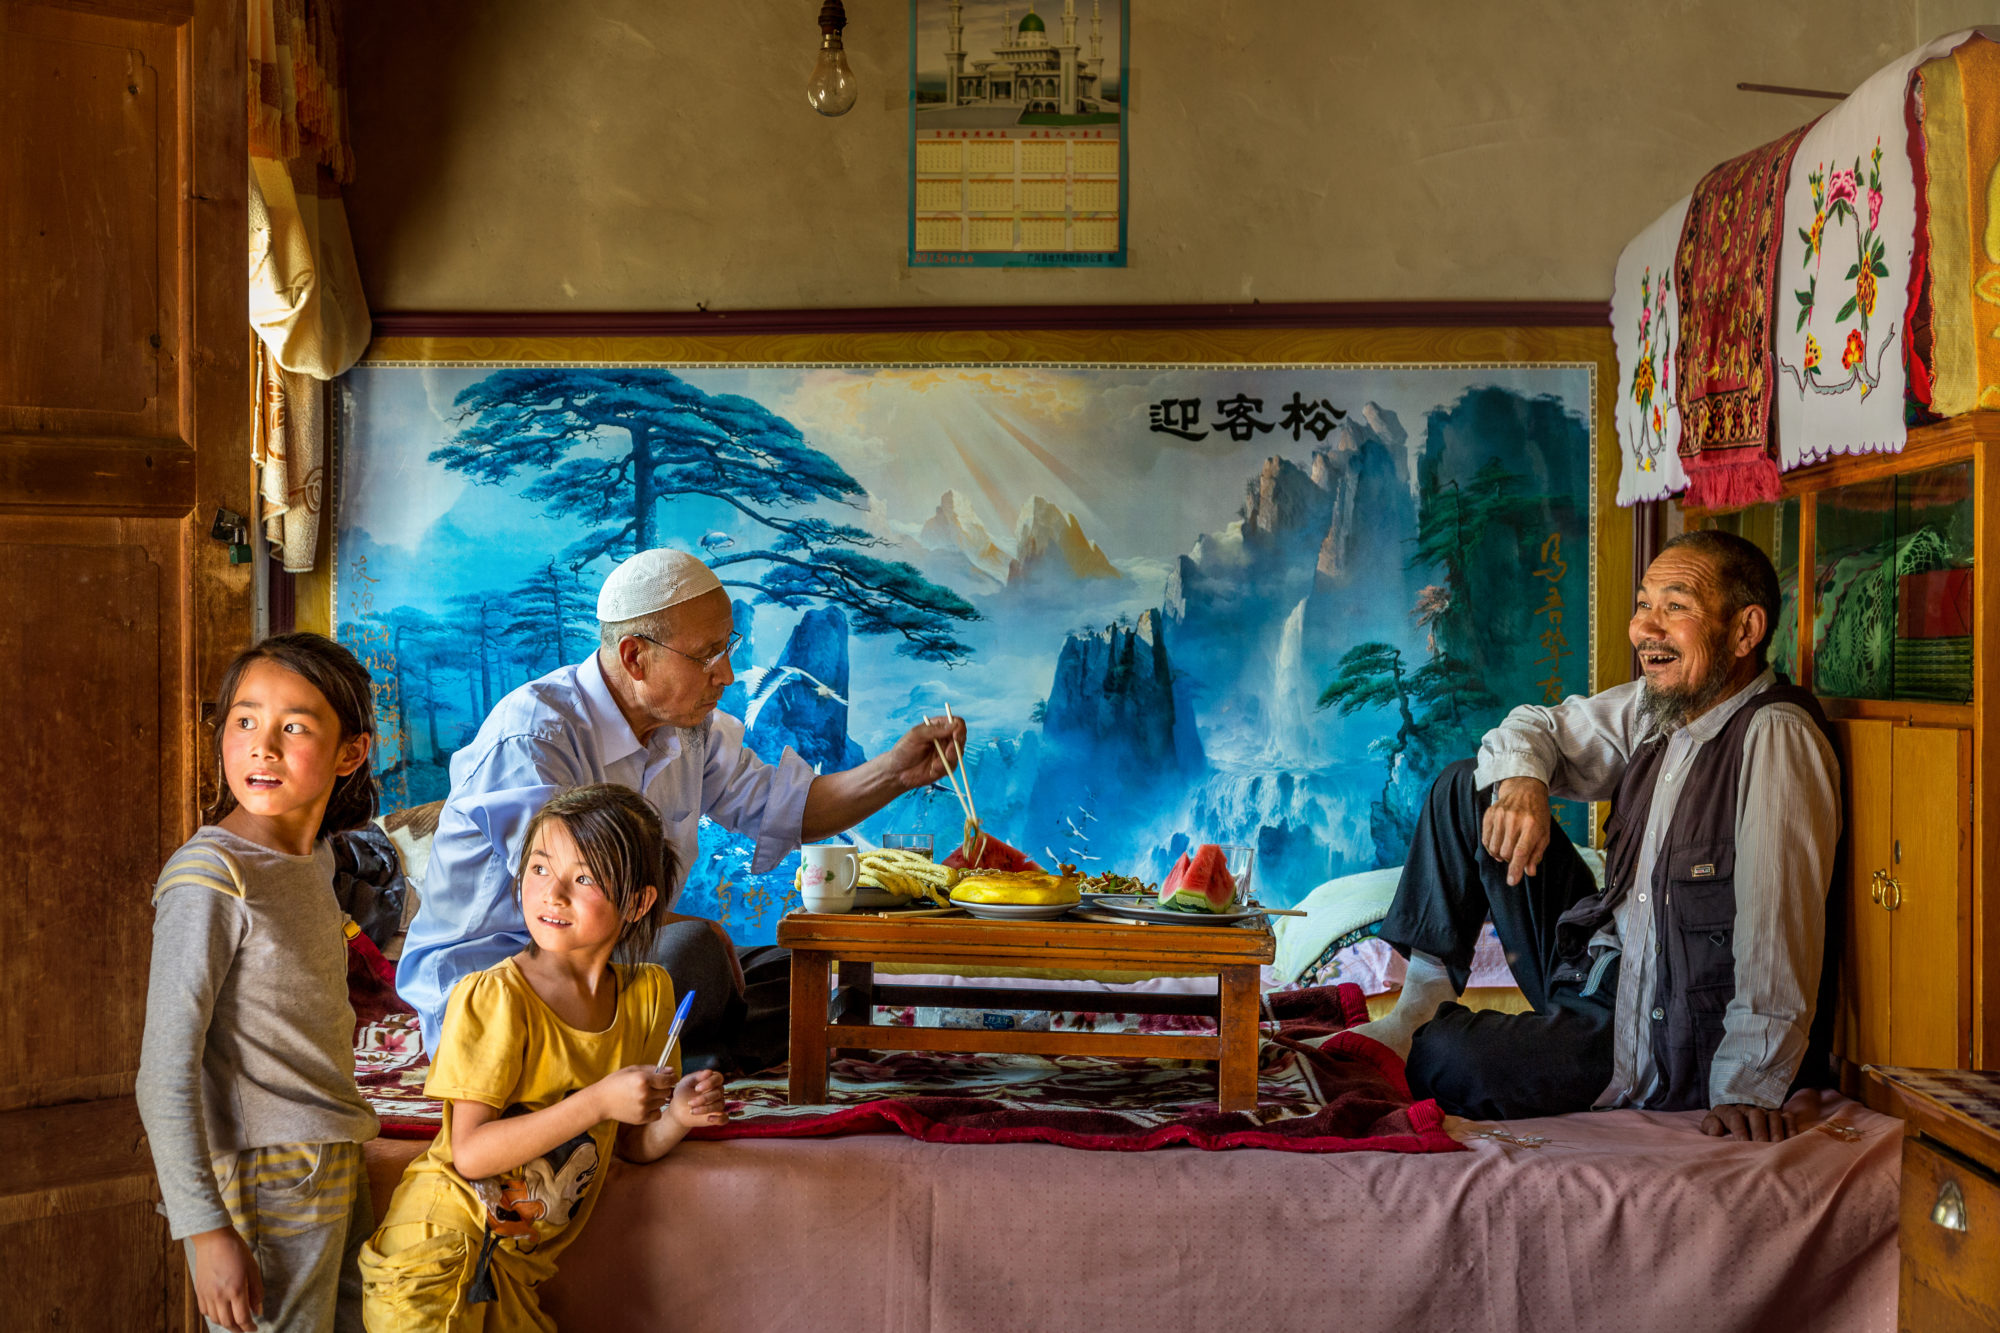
674	1032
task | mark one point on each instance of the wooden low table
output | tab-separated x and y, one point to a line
822	1023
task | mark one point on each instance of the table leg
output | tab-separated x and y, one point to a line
858	978
1236	1075
854	998
809	995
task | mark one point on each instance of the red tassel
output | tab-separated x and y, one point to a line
1732	483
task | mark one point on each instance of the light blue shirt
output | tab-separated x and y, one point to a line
565	730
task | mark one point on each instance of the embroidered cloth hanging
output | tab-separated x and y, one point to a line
1723	273
1645	330
1958	102
288	446
1844	271
306	302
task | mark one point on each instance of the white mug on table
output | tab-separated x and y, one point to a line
827	872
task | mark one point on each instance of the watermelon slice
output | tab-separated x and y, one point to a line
994	855
1201	883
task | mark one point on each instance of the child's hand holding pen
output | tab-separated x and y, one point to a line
634	1095
697	1101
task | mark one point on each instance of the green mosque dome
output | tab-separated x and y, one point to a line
1032	23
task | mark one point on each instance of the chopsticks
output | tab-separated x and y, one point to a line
971	810
962	792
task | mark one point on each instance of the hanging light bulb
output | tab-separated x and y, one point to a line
831	88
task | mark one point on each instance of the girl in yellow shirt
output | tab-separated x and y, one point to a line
545	1068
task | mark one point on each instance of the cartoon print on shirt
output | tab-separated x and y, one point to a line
538	1195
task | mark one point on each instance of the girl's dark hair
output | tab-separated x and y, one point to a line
350	692
619	834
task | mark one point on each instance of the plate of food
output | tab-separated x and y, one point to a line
870	898
1145	907
1015	911
1109	885
1199	891
1015	895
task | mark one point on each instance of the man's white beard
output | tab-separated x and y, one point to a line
1664	712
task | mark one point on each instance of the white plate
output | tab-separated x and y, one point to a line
1015	911
873	899
1148	909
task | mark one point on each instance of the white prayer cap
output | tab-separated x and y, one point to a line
652	581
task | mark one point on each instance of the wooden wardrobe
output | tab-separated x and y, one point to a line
1918	886
124	425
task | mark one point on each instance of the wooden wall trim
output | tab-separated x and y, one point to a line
918	319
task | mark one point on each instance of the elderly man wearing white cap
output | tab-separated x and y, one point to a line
640	711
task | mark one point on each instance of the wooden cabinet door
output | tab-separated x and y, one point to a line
124	415
1867	983
1930	898
1908	819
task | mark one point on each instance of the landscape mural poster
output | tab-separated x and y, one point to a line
1017	133
1253	605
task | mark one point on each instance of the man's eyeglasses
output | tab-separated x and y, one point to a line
705	663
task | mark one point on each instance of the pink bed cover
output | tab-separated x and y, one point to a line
1625	1220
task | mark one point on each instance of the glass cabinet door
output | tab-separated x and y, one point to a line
1774	530
1892	568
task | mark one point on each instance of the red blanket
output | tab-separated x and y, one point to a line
1723	379
1319	1090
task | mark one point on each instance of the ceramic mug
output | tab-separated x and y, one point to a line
827	871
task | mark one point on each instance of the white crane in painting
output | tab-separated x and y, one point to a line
763	684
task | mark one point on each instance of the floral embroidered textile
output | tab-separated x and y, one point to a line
1319	1090
1723	272
1645	324
1845	264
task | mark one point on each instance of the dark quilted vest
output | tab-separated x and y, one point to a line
1694	903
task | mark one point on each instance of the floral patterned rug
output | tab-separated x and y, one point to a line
1319	1090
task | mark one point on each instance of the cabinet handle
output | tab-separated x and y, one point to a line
1892	893
1950	1210
1875	889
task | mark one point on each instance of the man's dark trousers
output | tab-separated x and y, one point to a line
736	1033
1485	1065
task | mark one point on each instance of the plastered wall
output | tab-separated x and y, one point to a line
659	154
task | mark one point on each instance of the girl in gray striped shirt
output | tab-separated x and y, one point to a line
246	1077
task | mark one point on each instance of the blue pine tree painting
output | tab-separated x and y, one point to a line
1271	630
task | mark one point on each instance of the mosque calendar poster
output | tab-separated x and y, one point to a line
1018	133
1241	587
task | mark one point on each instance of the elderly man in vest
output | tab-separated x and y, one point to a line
641	711
1690	981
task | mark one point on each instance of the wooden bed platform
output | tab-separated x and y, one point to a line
1625	1220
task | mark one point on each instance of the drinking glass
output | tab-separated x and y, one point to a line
1240	861
908	842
